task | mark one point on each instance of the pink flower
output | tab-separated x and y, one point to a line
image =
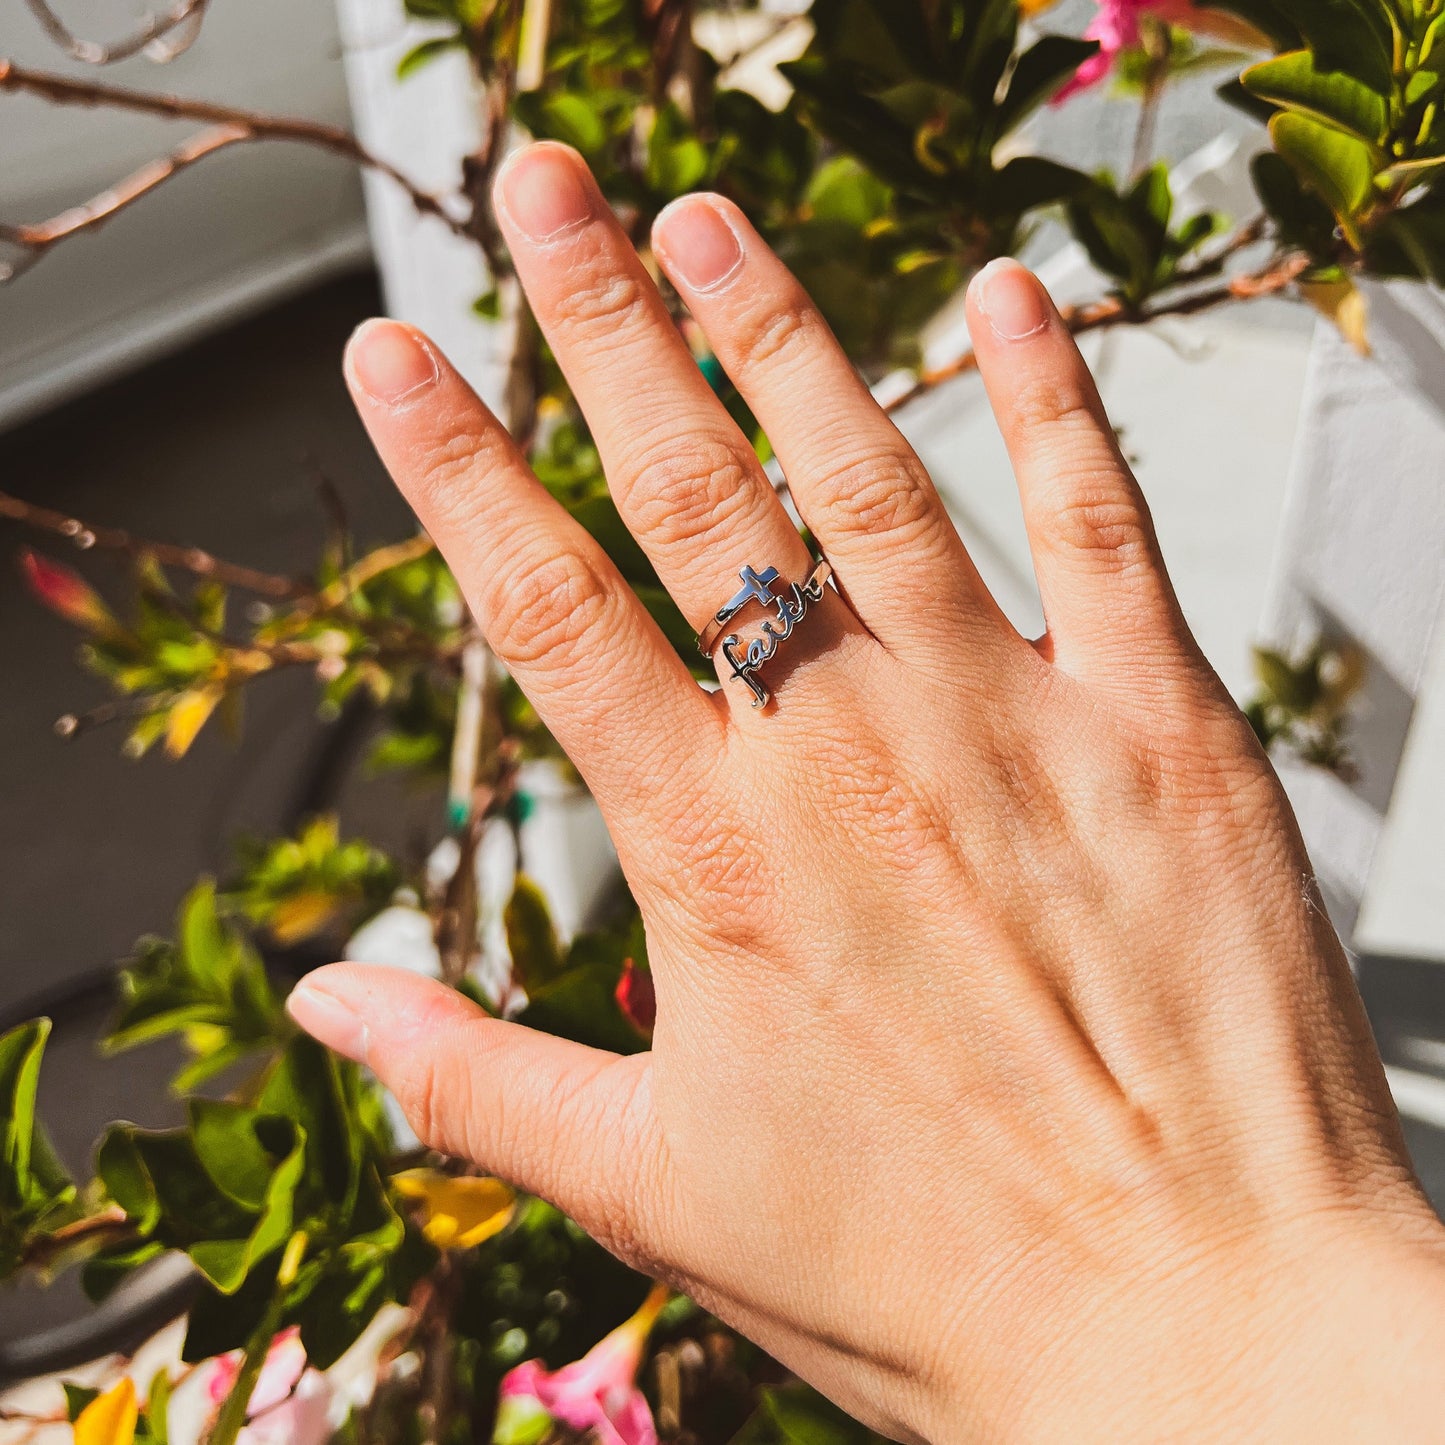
1116	28
597	1393
285	1361
290	1404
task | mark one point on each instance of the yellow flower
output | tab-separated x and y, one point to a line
109	1419
457	1213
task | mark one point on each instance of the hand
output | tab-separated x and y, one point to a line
1008	1080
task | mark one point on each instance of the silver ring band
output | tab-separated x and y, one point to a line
791	606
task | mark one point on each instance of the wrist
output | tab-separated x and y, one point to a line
1336	1333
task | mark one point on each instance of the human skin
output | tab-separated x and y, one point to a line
1008	1083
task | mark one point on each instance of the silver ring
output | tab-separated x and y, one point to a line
791	606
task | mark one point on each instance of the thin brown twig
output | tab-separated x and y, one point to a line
38	237
231	126
110	1224
157	28
1113	311
185	559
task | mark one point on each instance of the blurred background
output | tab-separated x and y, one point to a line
176	373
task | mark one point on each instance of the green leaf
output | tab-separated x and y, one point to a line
306	1087
1302	217
122	1171
205	949
1029	182
231	1151
77	1397
798	1415
841	190
677	160
158	1401
1354	36
1340	167
190	1205
20	1053
227	1262
339	1306
1294	81
531	936
1041	72
1411	242
581	1003
218	1323
575	119
420	55
1296	689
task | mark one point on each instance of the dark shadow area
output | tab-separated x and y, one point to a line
220	448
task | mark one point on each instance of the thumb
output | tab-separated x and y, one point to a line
570	1124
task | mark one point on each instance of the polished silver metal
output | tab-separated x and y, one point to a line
792	606
757	587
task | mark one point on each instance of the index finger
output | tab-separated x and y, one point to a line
550	602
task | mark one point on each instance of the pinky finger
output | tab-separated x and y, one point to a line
1106	594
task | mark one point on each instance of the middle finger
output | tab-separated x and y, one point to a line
685	480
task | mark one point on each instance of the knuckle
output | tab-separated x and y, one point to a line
1048	405
683	495
449	464
546	607
1098	521
600	302
777	333
882	493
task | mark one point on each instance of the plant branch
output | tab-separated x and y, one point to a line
231	125
367	569
106	1227
188	13
1113	311
38	237
185	559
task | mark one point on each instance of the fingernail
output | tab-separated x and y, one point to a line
389	361
1013	300
544	191
700	243
329	1020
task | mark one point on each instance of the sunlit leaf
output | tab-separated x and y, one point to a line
188	715
1330	95
1343	303
1340	167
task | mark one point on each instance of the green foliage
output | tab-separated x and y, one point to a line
1130	236
798	1416
573	992
1354	105
208	985
34	1187
296	888
1303	703
296	1176
921	99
